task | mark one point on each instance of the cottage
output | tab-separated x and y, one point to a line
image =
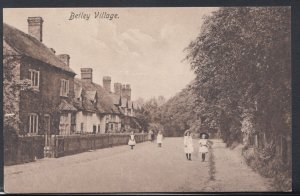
41	108
96	110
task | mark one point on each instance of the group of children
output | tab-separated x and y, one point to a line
188	143
132	142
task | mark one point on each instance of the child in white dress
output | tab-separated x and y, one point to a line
131	141
159	138
203	149
188	145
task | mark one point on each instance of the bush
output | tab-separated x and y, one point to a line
270	166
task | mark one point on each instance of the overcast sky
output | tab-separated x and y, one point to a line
142	47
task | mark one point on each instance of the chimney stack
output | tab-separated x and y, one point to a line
118	88
35	27
87	74
123	90
64	58
107	83
128	91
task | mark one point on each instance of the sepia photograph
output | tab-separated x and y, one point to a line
147	99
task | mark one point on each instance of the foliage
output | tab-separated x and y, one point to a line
242	63
12	85
147	115
270	166
179	113
156	127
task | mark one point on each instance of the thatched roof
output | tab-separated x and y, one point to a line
18	42
105	102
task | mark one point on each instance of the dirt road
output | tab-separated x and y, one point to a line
147	168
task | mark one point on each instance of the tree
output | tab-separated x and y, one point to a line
12	86
242	63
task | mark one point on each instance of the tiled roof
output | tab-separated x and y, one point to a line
16	41
65	106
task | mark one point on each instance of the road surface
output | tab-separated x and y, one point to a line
147	168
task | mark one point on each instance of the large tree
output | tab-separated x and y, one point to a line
242	63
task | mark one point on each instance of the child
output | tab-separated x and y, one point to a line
159	138
188	145
203	146
131	141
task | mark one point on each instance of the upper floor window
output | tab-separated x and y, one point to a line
35	78
64	87
33	124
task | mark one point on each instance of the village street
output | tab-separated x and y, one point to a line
147	168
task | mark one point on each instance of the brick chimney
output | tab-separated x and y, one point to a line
107	83
123	90
118	88
87	74
64	58
35	27
128	92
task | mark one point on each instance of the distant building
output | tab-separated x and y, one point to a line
48	106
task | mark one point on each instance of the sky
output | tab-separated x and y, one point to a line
143	47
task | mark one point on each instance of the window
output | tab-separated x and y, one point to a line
33	124
94	128
64	87
64	124
98	128
35	78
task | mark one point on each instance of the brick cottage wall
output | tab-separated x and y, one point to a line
47	99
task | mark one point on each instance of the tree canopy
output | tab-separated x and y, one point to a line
242	61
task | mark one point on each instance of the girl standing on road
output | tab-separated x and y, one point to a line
159	138
203	145
188	145
131	141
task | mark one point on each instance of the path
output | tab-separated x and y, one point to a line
233	174
147	168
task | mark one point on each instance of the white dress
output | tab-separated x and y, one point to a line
203	146
188	144
159	138
131	141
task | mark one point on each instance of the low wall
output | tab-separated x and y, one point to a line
73	144
23	149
